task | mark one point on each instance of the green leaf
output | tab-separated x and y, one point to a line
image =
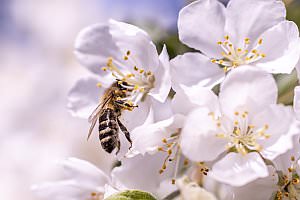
131	195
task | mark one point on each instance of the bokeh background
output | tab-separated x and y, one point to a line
38	68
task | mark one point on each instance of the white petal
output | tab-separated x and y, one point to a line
189	98
278	118
297	102
63	190
147	138
246	18
284	143
198	137
85	172
282	54
129	37
137	116
249	88
263	187
84	97
195	69
96	43
141	172
162	78
237	170
161	111
201	26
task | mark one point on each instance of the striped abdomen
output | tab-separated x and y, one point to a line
108	130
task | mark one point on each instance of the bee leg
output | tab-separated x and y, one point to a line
118	147
125	131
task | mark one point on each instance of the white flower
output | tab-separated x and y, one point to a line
283	180
83	181
242	33
142	172
239	127
119	51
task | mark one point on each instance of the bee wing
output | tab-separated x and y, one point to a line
95	115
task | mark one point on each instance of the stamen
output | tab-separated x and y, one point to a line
234	57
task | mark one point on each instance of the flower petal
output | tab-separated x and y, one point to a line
141	172
195	69
162	78
246	18
278	118
249	88
96	43
237	170
201	26
284	143
147	138
131	38
297	102
84	97
84	172
137	116
189	98
282	54
198	137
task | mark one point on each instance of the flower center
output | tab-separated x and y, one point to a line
138	81
242	136
289	184
234	57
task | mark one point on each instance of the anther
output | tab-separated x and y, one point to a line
173	181
99	85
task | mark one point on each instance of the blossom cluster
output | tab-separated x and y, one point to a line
203	125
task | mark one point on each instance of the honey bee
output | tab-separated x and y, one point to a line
108	112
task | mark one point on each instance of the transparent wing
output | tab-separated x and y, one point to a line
95	115
92	127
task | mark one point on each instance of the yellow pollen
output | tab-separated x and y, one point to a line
161	171
219	124
226	37
219	43
236	123
99	85
186	162
164	140
104	69
160	149
93	194
149	73
135	68
296	181
247	41
169	151
260	41
266	126
164	166
173	181
293	158
128	53
254	51
135	87
263	55
125	57
141	71
239	49
213	60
